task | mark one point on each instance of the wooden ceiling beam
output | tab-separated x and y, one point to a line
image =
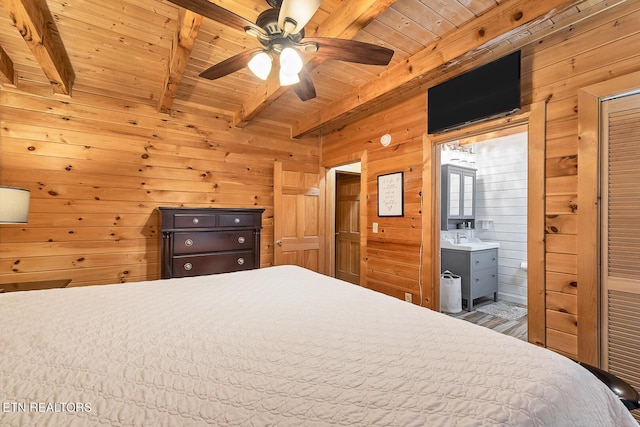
502	19
344	22
7	75
181	46
46	46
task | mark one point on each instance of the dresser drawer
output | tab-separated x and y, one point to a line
211	241
485	259
197	265
236	220
194	220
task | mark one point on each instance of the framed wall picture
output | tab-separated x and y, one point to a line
391	194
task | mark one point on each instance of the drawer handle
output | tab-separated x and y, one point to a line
236	220
477	262
188	242
196	220
240	261
241	239
188	266
477	280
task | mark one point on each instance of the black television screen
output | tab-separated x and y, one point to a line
486	92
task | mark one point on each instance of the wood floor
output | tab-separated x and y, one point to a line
515	328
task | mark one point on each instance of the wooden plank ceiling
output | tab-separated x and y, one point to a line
152	51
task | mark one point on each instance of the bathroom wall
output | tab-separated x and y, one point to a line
501	209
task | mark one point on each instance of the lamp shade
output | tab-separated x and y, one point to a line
260	65
290	61
288	79
294	15
14	205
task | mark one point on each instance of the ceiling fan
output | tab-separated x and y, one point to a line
280	30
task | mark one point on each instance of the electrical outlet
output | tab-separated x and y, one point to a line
375	227
407	297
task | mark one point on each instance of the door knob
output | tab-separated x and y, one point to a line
279	243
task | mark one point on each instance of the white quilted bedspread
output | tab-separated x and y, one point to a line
276	346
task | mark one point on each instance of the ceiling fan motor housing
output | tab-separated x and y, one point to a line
268	21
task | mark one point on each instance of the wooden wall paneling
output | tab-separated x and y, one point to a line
563	322
562	147
559	68
562	302
567	184
430	206
562	342
562	282
100	166
562	243
391	261
536	283
561	263
565	224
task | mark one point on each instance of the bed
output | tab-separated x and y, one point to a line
276	346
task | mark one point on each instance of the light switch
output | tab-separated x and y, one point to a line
375	227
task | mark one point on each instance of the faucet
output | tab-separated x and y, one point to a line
460	236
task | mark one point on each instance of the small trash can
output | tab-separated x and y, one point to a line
450	293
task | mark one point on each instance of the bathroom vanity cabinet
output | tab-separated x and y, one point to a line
478	271
458	197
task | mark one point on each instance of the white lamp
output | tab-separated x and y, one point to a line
290	61
287	79
14	205
290	65
260	65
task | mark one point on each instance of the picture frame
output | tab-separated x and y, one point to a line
391	195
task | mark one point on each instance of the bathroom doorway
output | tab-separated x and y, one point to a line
486	245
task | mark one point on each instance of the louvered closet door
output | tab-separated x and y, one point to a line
621	238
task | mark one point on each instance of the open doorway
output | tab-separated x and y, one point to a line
483	236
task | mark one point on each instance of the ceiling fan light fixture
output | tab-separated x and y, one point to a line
260	65
287	79
290	61
289	26
298	12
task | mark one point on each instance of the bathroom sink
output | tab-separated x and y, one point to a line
472	245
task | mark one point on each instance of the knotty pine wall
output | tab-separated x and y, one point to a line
393	254
98	168
554	68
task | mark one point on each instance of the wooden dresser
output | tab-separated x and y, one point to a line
198	241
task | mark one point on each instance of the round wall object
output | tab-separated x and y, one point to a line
385	139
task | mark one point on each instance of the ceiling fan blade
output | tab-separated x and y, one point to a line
230	65
351	51
305	89
299	13
217	13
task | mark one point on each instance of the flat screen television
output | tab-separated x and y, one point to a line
489	91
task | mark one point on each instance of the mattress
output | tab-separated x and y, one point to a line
277	346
